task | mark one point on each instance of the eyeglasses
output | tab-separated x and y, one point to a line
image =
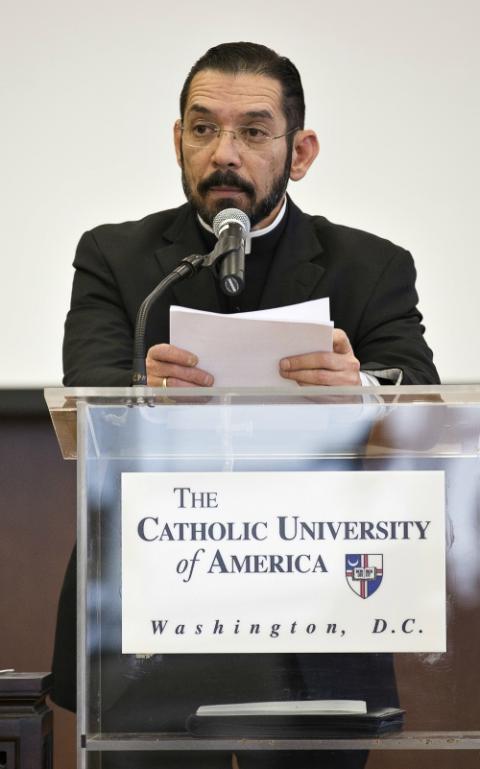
252	137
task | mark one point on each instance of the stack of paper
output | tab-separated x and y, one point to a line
244	350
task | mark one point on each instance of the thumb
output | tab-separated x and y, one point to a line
341	342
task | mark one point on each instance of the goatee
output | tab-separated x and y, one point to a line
256	210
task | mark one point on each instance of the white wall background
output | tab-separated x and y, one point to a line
89	94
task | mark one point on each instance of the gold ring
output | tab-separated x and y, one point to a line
164	382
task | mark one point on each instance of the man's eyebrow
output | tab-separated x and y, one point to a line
253	114
259	113
199	108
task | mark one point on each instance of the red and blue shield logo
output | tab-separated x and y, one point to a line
364	573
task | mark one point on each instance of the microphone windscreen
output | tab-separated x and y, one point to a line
230	215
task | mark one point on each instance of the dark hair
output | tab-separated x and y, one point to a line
257	59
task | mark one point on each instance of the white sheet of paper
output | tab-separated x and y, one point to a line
314	311
244	349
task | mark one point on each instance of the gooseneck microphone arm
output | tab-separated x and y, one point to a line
187	267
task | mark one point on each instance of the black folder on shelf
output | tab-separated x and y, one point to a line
318	726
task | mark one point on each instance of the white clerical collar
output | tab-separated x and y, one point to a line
255	233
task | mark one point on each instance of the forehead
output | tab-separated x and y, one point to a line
222	94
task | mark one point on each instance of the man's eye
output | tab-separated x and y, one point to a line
254	135
204	129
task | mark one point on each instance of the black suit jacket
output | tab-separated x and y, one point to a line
370	282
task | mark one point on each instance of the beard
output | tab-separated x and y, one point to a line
256	209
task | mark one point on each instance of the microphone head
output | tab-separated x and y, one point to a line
229	216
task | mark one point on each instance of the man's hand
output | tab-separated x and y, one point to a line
178	367
337	368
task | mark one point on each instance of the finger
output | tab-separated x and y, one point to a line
324	377
157	371
172	382
171	354
313	360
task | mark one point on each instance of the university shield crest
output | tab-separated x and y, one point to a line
364	573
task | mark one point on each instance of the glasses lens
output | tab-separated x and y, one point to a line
252	136
199	134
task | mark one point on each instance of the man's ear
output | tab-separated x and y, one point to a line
305	149
177	138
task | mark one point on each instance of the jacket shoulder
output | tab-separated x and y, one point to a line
141	234
352	242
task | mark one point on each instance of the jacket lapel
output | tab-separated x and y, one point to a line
183	239
294	276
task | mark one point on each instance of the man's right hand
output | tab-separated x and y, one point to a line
178	367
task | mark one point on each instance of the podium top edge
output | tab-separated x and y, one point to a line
66	398
374	403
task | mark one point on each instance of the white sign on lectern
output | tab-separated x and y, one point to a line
283	562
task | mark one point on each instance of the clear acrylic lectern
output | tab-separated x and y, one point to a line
135	704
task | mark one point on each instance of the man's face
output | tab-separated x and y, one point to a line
226	173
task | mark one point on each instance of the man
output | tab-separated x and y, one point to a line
239	140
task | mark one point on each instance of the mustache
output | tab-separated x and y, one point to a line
225	179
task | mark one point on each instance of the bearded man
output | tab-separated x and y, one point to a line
239	140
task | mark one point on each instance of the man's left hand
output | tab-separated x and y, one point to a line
338	368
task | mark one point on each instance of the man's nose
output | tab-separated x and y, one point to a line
226	149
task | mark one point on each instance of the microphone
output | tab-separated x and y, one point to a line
232	228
